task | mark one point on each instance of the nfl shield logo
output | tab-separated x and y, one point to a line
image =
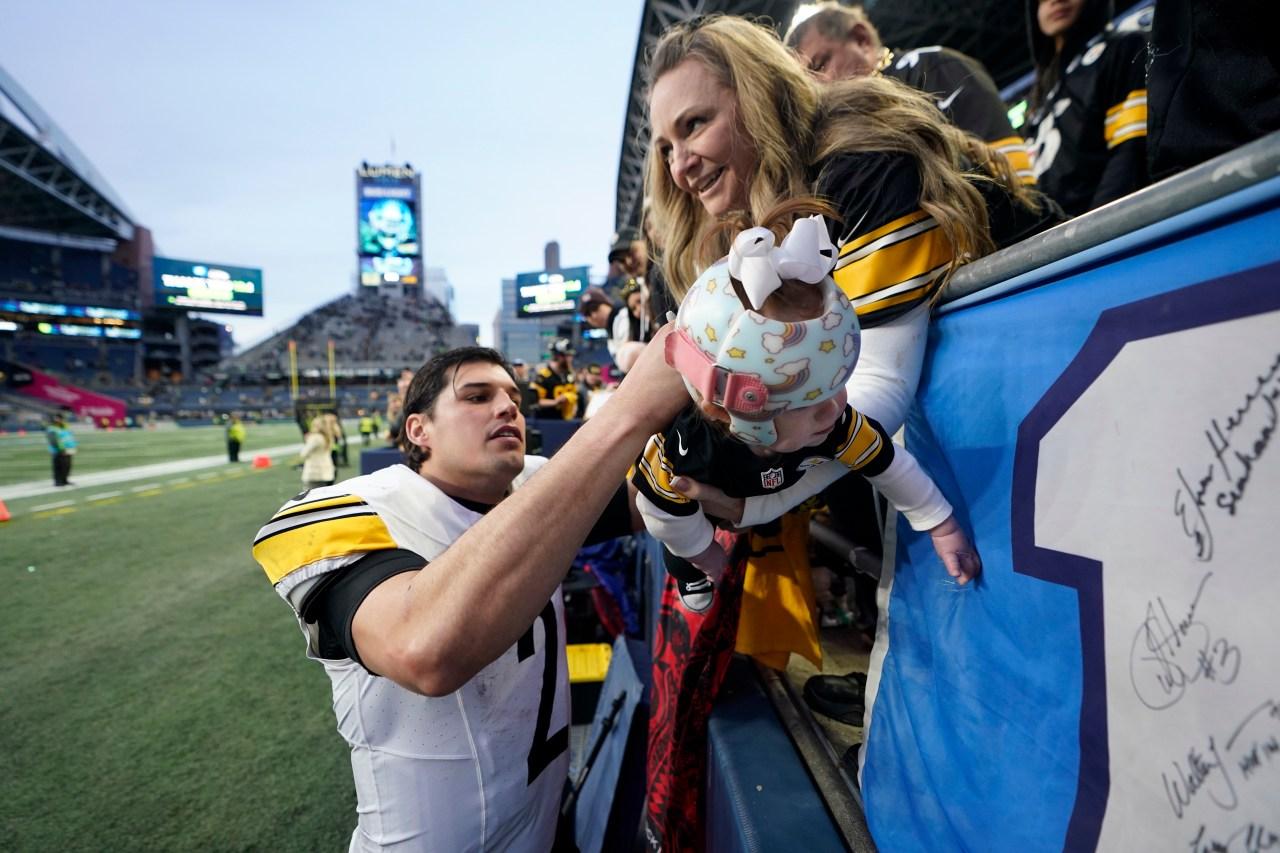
771	479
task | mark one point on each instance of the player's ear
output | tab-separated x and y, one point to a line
713	412
417	430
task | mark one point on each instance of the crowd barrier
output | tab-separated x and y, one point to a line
1099	405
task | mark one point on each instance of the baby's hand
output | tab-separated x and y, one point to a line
712	561
958	556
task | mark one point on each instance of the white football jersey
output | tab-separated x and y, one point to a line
480	769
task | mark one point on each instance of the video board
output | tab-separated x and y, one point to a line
387	211
205	286
390	269
546	294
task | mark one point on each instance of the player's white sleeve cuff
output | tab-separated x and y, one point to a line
684	535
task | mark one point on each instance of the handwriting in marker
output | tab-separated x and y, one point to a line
1237	443
1168	655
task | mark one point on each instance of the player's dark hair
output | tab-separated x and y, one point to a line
427	385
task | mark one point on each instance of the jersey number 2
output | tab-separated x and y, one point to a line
544	749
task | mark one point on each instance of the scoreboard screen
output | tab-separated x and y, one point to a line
205	286
544	294
387	211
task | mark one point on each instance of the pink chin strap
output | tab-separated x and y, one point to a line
740	393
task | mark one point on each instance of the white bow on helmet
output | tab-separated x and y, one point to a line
806	254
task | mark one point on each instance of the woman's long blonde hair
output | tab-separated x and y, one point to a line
796	124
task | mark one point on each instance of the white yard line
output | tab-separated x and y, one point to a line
145	487
104	496
138	472
55	505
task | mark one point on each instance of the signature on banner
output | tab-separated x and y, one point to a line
1237	443
1173	651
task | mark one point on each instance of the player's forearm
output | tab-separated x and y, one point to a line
477	598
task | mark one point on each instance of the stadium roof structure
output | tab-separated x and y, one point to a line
993	31
46	183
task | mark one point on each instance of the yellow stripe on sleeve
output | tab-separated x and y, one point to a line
862	445
1127	119
888	228
1015	150
657	471
884	269
282	553
311	506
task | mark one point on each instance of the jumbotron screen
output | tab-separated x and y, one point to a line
205	286
545	294
387	207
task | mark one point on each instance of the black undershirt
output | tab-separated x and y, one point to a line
332	604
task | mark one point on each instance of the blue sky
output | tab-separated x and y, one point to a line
232	129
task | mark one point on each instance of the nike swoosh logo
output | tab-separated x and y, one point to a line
945	104
680	444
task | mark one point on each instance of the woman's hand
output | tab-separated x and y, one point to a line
958	556
714	501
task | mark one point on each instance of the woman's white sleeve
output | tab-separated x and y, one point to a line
883	383
684	535
912	492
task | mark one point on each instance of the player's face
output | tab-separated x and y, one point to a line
1056	17
696	132
832	59
808	426
475	434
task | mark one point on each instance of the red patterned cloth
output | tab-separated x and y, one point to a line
691	653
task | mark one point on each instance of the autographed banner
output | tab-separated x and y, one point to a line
1113	680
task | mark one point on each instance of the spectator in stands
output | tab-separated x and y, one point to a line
625	331
1087	114
839	42
782	310
235	438
554	384
62	448
739	124
1213	83
455	654
628	256
317	460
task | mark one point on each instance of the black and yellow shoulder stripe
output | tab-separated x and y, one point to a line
304	532
894	266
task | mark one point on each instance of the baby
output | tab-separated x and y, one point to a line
765	342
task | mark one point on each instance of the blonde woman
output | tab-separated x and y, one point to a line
317	463
738	124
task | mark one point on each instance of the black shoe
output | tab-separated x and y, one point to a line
696	595
849	763
840	697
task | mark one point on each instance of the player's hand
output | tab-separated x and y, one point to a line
958	556
712	561
652	392
714	501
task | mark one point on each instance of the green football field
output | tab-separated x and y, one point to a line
25	458
155	693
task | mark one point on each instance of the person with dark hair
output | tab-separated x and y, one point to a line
1087	114
430	593
554	383
839	42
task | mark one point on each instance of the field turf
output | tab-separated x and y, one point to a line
155	693
25	458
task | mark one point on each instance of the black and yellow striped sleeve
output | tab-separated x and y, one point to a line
309	530
1016	150
866	447
892	254
652	475
1127	119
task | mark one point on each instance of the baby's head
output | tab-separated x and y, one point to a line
765	340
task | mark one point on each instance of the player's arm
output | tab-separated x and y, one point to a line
1125	126
433	630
